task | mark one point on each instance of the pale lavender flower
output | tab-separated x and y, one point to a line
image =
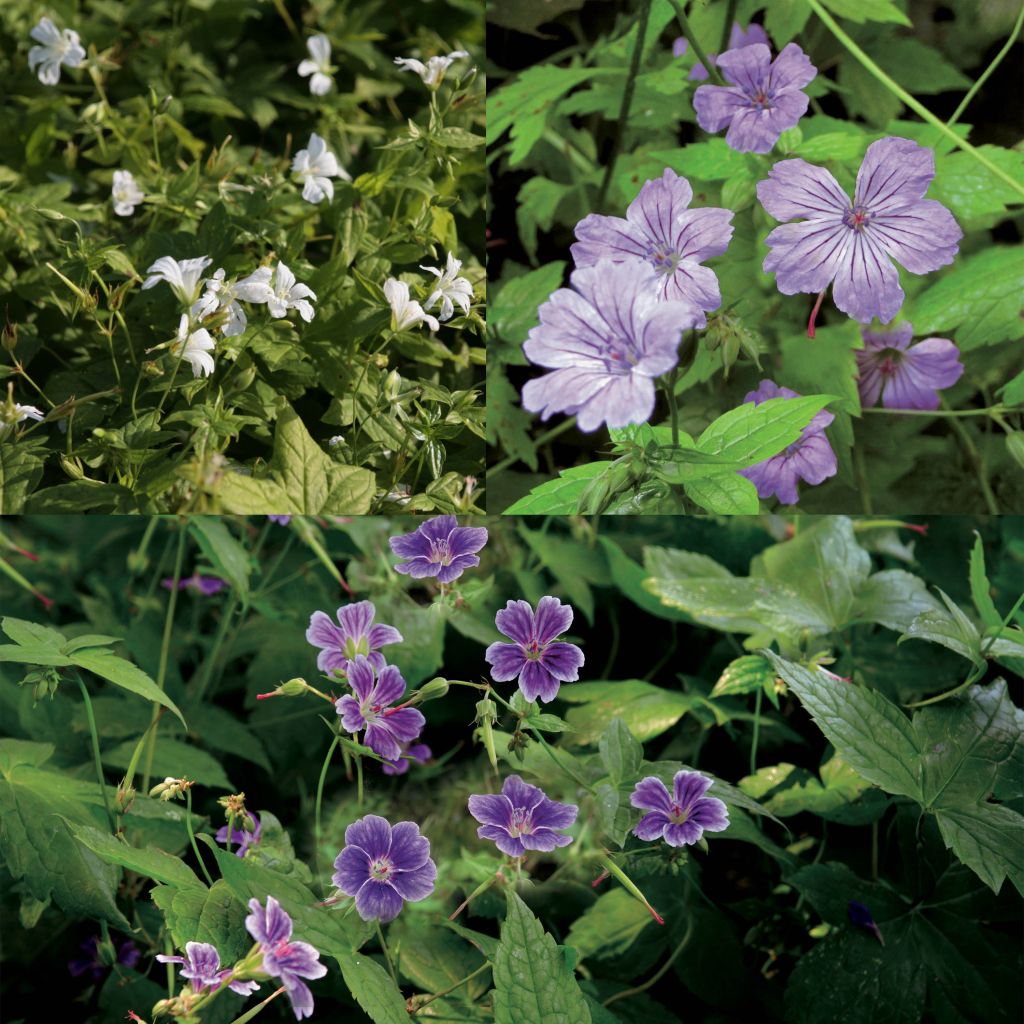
522	818
384	866
418	752
809	458
851	243
57	47
370	709
280	520
682	817
440	547
906	376
535	656
202	968
764	99
290	961
660	231
355	634
241	838
607	339
737	39
205	585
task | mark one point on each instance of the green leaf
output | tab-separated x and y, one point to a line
989	839
513	307
610	925
784	19
175	759
531	979
970	189
747	674
372	988
949	627
621	753
727	494
786	790
646	710
124	674
629	577
860	11
33	634
981	588
197	914
434	958
21	468
225	554
561	496
894	599
151	862
713	160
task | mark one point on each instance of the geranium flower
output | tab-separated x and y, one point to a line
318	64
661	232
737	39
451	290
764	99
125	193
287	294
434	70
316	165
522	818
809	458
205	585
384	866
607	339
851	244
202	968
11	414
56	48
280	520
405	312
223	296
194	347
905	376
355	634
535	656
418	752
439	547
370	709
290	961
182	275
682	817
241	838
92	964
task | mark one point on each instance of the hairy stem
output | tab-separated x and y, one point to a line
387	953
192	835
319	801
684	24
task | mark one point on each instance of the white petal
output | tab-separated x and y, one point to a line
308	67
319	84
319	47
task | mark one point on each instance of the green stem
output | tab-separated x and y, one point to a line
387	953
757	731
319	801
96	752
673	404
437	995
627	883
863	481
991	410
923	112
730	17
249	1014
231	825
972	92
627	102
684	24
660	973
192	835
550	435
359	780
978	462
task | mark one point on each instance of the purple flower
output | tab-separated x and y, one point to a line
355	634
659	230
240	837
383	865
860	915
370	709
289	961
522	818
93	964
540	662
440	547
850	243
764	99
418	752
606	339
906	376
737	39
205	585
682	817
202	968
280	520
809	458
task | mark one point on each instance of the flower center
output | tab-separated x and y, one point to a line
679	815
663	259
533	651
857	218
380	869
441	552
759	99
890	360
521	823
355	646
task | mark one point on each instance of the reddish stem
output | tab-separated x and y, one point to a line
814	313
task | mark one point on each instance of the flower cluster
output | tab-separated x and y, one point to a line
433	71
449	291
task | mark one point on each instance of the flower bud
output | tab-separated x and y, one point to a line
293	688
486	715
171	788
72	466
437	687
150	369
9	337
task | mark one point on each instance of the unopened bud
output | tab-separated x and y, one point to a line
171	788
486	715
150	369
9	337
437	687
72	466
293	688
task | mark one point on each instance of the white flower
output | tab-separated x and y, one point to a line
11	414
222	295
289	295
318	65
451	289
57	48
433	71
194	347
405	312
182	275
316	166
126	194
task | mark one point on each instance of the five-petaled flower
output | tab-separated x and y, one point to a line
522	817
606	339
852	243
241	838
125	193
682	816
536	656
905	376
451	290
405	312
194	347
660	231
418	752
386	727
287	294
182	275
202	968
355	634
318	64
433	71
764	100
383	866
315	166
737	39
291	961
56	48
223	296
439	547
809	458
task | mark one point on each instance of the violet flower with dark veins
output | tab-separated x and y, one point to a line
418	752
94	967
440	547
682	817
355	634
202	968
241	839
905	376
737	39
205	585
370	709
522	817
